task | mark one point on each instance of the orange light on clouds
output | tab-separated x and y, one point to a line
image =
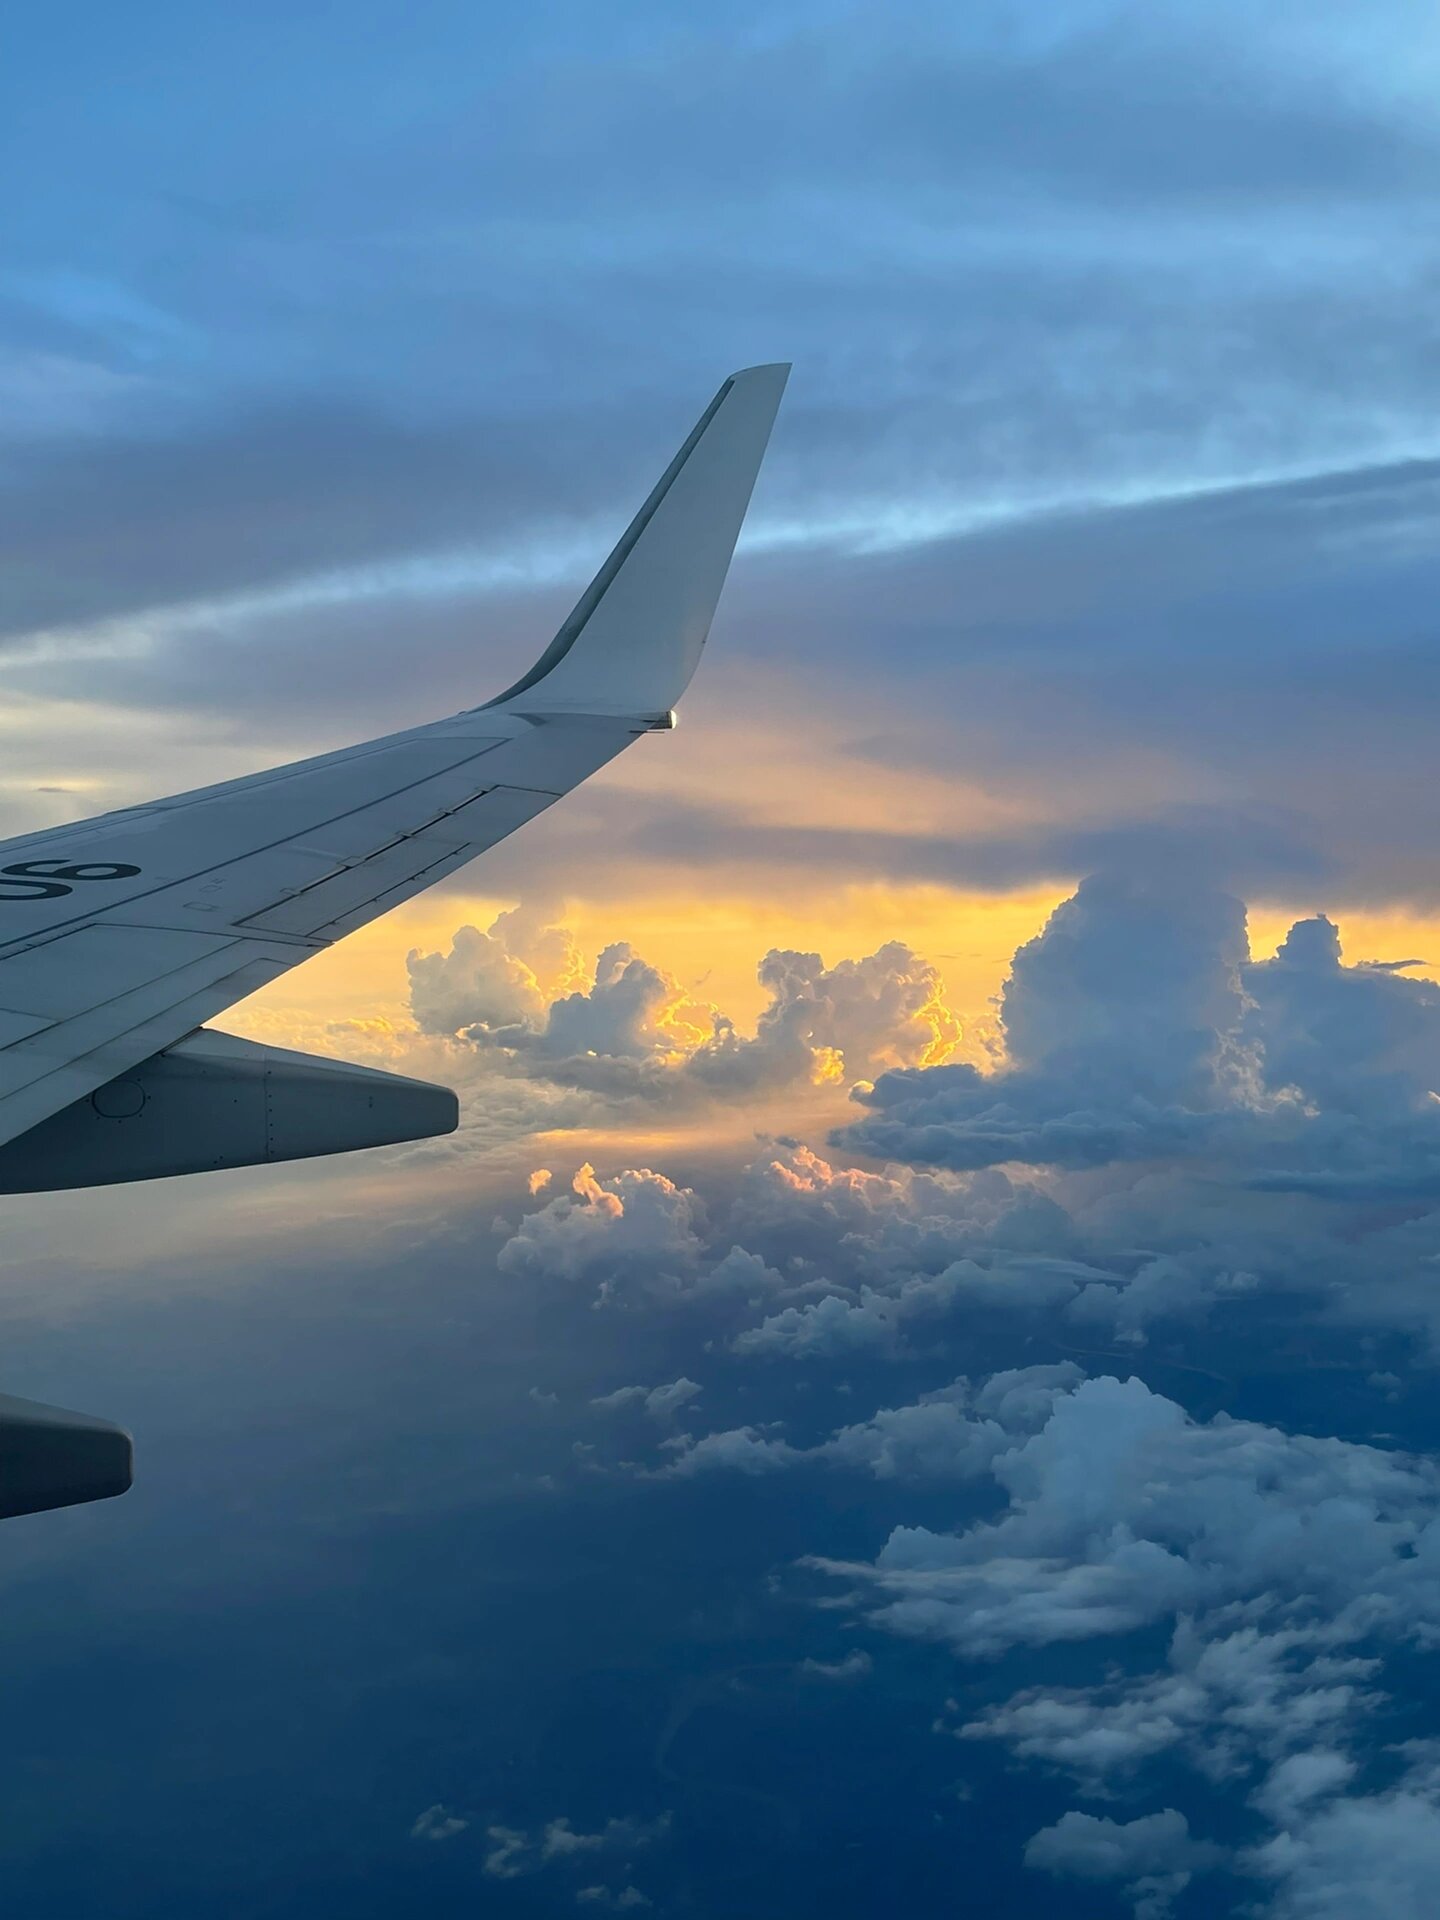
1365	934
709	943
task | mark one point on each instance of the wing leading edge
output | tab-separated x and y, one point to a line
122	935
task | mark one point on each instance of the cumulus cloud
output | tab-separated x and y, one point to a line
812	1261
635	1230
735	1450
661	1403
631	1011
954	1433
855	1665
1229	1697
438	1823
1124	1511
1216	1119
877	1322
1288	1568
1293	1787
1368	1856
887	1010
1286	1564
1137	1028
1357	1039
857	1226
891	1263
630	1033
479	981
1154	1857
517	1851
831	1328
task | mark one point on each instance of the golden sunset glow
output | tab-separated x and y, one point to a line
710	945
1365	934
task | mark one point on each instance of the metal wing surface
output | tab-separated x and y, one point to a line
121	935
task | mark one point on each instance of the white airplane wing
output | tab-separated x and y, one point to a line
121	936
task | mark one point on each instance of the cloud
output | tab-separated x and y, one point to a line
1139	1035
954	1433
859	1225
855	1665
1288	1568
1364	1857
1138	1028
1300	1780
807	1260
631	1034
1124	1511
1120	1024
885	1010
1154	1857
517	1851
878	1322
438	1823
894	1263
737	1450
661	1403
631	1233
1355	1039
830	1328
1288	1565
1229	1695
1078	616
492	979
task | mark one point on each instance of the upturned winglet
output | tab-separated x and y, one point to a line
635	636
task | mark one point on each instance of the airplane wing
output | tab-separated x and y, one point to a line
121	936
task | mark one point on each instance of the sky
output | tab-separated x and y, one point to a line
912	1389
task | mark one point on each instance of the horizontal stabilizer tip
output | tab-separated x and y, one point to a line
50	1458
635	636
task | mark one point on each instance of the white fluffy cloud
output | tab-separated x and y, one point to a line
499	978
1231	1696
438	1823
1123	1511
1373	1856
955	1433
1288	1568
1138	1028
1154	1857
828	1263
630	1033
516	1851
1187	1129
636	1227
856	1665
856	1018
479	982
661	1403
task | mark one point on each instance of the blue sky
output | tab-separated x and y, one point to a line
911	1389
